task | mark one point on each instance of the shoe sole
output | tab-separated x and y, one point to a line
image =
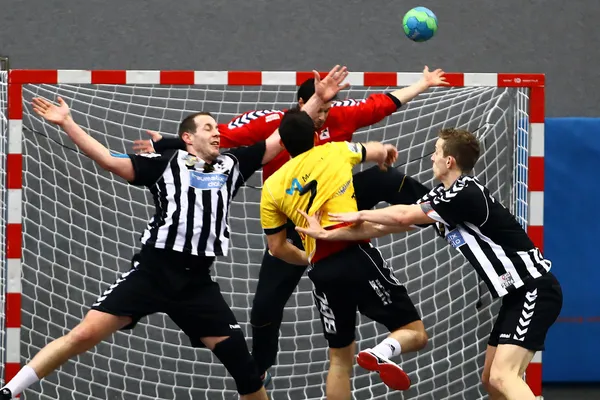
392	375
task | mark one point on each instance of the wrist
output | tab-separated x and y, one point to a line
67	121
422	85
361	216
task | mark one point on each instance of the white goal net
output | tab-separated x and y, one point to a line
81	226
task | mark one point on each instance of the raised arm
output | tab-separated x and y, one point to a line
61	116
380	105
429	79
324	90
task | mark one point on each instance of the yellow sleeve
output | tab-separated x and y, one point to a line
354	153
271	217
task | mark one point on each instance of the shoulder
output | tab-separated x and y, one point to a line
272	188
227	159
341	146
341	104
268	116
166	154
465	187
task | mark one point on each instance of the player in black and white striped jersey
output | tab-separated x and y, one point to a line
491	239
192	192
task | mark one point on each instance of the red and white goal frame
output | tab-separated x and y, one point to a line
14	170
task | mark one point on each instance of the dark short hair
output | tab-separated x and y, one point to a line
307	89
462	145
189	123
297	131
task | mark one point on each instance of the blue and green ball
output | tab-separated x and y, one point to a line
420	24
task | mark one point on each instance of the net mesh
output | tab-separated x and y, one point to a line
82	225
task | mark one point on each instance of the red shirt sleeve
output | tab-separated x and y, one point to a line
361	113
249	128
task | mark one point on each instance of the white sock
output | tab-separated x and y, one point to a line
388	348
24	378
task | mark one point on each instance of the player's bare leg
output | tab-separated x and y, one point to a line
340	371
508	365
409	338
94	328
231	352
490	352
412	337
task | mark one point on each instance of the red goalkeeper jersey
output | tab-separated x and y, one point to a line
345	117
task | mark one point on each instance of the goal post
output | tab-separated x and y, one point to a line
68	228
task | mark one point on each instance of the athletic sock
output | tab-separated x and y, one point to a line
388	348
24	378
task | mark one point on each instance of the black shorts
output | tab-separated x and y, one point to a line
526	314
176	284
358	278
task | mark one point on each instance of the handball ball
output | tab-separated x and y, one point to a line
420	24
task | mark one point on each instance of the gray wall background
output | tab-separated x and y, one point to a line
556	37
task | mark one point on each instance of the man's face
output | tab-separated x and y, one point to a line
206	139
321	115
440	163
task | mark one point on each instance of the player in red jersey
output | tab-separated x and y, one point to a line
336	121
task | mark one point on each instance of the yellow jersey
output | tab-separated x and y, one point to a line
319	179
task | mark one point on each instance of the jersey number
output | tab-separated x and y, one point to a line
309	187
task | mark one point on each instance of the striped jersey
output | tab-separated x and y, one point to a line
486	233
192	197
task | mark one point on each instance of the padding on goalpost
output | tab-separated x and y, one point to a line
69	228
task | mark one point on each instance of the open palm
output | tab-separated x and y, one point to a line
56	114
327	88
434	78
314	228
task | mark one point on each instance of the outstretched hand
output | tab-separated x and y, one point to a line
434	78
314	228
351	217
331	85
56	114
145	146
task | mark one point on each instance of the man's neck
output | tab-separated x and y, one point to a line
451	177
207	160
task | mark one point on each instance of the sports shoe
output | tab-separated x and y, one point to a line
266	379
391	374
5	394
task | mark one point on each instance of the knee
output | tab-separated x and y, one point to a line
84	336
236	358
496	381
485	380
422	339
261	316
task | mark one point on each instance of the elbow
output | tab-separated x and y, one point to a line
106	164
276	250
402	219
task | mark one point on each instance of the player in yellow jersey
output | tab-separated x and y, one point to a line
347	275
